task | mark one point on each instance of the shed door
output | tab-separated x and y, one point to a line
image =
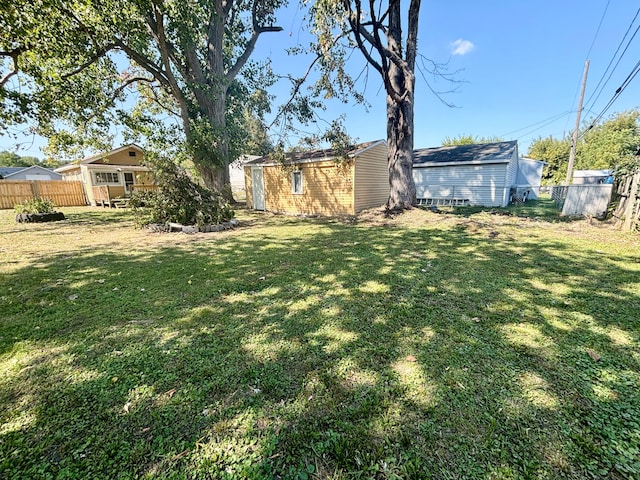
257	186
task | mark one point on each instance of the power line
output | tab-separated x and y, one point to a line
618	92
598	29
611	61
554	117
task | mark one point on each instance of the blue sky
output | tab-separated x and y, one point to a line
519	65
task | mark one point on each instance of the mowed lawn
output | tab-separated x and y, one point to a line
440	346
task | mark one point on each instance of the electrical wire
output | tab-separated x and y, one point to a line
598	29
618	92
554	117
611	61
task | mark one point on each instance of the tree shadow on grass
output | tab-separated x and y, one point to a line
333	351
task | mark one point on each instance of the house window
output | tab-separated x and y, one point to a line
132	153
296	182
107	177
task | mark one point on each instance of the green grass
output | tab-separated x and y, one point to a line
425	346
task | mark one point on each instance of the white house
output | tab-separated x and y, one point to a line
478	174
529	177
34	172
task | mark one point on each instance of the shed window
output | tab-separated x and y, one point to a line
107	177
132	153
296	182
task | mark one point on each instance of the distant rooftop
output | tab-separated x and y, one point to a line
499	152
314	155
4	171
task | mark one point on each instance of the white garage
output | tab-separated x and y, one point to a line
478	174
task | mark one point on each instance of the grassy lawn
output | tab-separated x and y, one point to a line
427	346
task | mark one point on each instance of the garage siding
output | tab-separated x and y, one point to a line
327	189
371	178
479	184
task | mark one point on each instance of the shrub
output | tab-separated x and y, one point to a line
178	199
36	205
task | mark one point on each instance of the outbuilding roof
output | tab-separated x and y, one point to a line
317	155
498	152
7	172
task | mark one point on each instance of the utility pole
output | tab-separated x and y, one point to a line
574	143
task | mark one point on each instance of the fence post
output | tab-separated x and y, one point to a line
34	189
631	202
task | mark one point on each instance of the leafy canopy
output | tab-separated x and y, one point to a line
609	144
82	72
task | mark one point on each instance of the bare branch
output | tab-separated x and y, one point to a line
248	50
14	55
97	56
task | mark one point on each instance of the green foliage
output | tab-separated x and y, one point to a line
556	153
468	139
611	142
607	145
63	65
36	205
178	199
11	159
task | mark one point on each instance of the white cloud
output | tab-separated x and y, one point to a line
461	47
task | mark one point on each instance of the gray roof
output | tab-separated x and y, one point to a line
499	152
314	155
4	171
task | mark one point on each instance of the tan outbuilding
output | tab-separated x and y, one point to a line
319	182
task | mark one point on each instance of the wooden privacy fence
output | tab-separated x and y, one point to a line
627	213
60	192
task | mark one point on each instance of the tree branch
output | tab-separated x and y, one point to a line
99	54
248	50
13	54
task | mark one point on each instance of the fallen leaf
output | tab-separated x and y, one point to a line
126	407
101	280
594	356
170	392
73	297
476	319
411	358
114	379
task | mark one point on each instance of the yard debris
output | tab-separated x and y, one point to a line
73	297
594	356
101	280
126	407
170	393
411	358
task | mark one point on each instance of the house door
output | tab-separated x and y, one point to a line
128	181
257	188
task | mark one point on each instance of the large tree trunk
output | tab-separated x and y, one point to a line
402	188
215	178
400	85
